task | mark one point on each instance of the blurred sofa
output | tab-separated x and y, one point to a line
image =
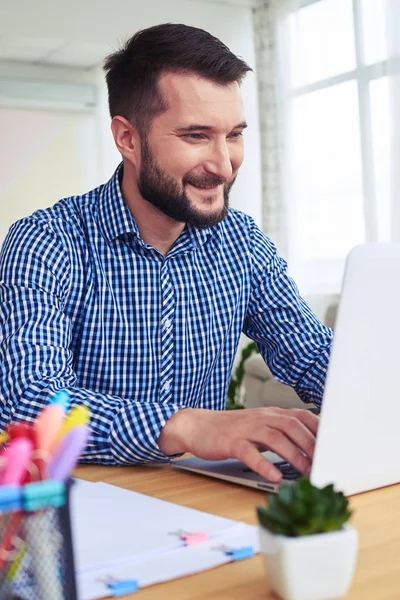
260	386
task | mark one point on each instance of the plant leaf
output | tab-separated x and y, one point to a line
304	509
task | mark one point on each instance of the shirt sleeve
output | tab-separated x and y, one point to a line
36	359
293	342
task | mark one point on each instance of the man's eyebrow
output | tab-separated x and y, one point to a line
197	127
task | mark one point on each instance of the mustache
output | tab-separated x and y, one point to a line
203	181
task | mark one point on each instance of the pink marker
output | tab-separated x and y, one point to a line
17	456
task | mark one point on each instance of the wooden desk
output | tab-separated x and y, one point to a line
377	519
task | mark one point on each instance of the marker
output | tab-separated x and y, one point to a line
46	427
4	437
17	456
48	424
61	397
79	415
22	429
67	453
10	506
3	464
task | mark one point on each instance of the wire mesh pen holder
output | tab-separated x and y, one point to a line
36	555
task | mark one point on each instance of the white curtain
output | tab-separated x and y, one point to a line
274	219
392	27
329	94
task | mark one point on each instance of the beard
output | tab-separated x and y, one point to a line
164	192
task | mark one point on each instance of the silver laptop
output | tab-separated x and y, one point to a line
358	441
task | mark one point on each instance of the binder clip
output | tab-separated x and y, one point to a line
121	587
237	554
192	539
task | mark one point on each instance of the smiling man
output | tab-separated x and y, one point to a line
133	297
185	165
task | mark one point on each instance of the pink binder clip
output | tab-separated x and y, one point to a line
192	539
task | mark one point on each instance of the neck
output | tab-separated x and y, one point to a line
155	228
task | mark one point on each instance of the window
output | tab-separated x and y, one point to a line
339	114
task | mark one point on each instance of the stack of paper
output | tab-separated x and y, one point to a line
120	535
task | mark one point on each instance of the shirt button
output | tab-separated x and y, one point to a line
167	324
167	386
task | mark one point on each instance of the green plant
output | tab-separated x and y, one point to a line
303	509
233	402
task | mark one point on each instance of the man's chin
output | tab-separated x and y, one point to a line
203	219
204	201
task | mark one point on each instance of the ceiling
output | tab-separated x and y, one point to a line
44	51
77	36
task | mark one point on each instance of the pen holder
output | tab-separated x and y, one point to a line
36	555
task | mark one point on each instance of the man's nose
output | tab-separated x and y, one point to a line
218	162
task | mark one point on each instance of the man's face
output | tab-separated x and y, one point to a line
193	151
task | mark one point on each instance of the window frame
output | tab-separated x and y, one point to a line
312	273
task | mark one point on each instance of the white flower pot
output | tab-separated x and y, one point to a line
312	567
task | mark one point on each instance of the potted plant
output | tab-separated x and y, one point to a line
235	398
309	550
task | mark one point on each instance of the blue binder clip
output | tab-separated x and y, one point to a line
239	553
121	588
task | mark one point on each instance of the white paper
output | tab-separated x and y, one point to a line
122	535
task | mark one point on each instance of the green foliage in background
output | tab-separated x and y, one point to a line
232	402
303	509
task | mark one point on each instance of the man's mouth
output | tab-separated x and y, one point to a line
206	188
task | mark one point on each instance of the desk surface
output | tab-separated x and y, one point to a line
376	517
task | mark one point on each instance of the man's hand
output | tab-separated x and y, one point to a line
244	434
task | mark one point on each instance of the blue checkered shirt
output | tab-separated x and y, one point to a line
86	305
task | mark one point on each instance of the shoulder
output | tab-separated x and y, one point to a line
241	229
47	236
68	214
65	219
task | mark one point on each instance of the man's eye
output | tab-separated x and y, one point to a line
194	136
236	134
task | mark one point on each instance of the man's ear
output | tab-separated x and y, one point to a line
126	139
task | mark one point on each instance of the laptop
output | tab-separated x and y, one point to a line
358	441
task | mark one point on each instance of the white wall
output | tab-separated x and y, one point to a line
102	22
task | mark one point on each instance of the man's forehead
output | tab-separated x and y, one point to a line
191	99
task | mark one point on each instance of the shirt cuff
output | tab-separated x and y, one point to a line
134	433
311	386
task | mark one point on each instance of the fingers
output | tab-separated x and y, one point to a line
248	454
278	442
290	434
291	428
309	419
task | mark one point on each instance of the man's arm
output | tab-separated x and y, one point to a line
293	342
35	355
296	346
243	434
36	360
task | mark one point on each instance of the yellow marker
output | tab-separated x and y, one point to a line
4	437
79	415
16	563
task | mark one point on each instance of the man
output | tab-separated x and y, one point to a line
133	296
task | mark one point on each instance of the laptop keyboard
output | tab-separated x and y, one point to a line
288	472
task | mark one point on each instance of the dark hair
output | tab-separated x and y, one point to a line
133	72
